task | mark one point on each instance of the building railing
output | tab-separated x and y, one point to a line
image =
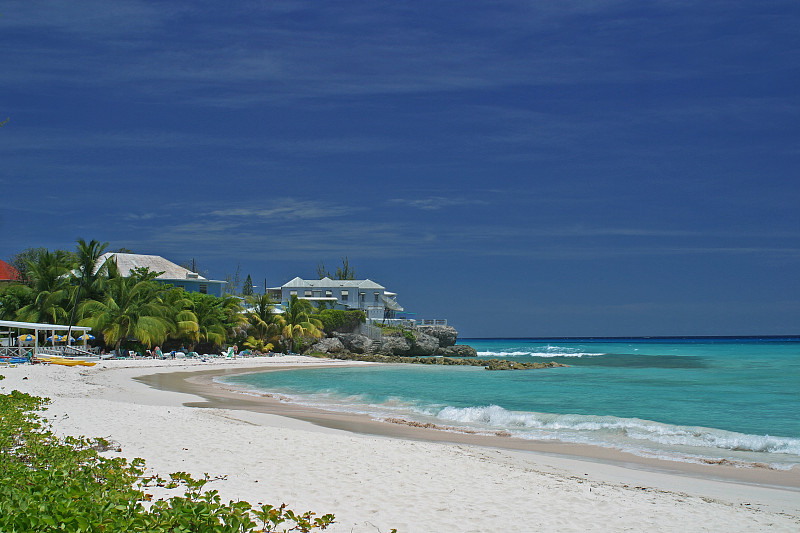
66	351
397	322
432	322
15	351
408	322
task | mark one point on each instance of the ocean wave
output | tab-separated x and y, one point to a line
550	354
614	430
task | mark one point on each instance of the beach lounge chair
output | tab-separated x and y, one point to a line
229	353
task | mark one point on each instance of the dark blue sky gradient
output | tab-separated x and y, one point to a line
520	168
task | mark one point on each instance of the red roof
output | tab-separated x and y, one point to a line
7	272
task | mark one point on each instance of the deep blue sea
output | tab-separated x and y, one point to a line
685	399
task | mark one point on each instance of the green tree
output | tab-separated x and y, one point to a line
345	272
180	312
216	317
342	272
88	273
322	272
265	324
22	260
88	276
130	308
299	324
247	288
50	281
14	297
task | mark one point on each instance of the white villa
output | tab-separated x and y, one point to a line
172	274
363	294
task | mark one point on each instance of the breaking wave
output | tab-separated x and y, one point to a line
617	432
549	351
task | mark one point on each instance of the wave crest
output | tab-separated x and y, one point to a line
588	428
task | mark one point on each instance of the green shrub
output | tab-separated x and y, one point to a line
340	320
51	484
397	331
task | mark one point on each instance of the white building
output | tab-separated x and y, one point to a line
171	274
362	294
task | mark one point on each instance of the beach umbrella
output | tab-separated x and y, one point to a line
26	338
85	337
57	338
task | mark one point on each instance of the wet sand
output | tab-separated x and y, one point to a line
222	396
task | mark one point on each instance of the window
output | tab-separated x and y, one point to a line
317	294
292	293
377	297
308	294
203	288
345	295
362	297
329	294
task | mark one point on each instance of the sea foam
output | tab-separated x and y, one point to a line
610	430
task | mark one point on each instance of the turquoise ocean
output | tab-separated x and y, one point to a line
684	399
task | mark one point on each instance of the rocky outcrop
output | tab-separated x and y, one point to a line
488	364
408	343
330	345
355	343
447	335
421	341
395	345
460	350
498	364
424	344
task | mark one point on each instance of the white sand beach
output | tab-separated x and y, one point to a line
375	483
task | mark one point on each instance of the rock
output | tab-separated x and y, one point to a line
424	344
395	345
503	364
329	345
355	342
447	335
460	350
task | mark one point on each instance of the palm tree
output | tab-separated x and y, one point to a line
262	317
131	308
213	319
183	321
90	277
51	286
298	323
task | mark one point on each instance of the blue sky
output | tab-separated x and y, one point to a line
520	168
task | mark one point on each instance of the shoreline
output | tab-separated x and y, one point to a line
227	396
376	483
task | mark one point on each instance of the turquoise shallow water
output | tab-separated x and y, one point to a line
682	399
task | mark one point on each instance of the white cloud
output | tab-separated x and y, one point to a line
287	210
436	202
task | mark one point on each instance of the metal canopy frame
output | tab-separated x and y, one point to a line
10	325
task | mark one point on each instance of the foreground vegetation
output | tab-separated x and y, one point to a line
66	485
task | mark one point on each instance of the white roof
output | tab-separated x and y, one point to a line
328	283
127	262
40	326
